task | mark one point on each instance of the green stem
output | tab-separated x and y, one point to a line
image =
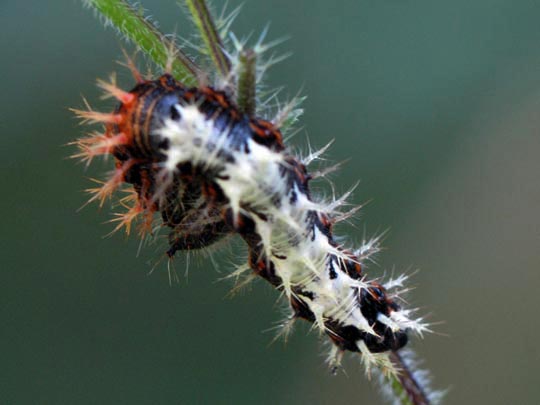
246	86
207	28
136	28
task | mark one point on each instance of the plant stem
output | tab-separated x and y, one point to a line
246	85
207	28
136	28
405	386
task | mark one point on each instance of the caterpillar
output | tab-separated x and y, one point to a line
203	168
210	170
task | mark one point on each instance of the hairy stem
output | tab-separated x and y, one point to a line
246	85
405	386
136	28
207	28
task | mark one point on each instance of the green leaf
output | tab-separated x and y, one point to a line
137	28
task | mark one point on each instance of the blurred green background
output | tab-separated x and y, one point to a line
435	102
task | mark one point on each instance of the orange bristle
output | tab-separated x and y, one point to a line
112	90
130	64
148	220
98	144
108	187
93	117
125	219
134	209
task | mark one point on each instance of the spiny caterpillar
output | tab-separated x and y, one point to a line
210	170
200	166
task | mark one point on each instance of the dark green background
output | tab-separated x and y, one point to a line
437	105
